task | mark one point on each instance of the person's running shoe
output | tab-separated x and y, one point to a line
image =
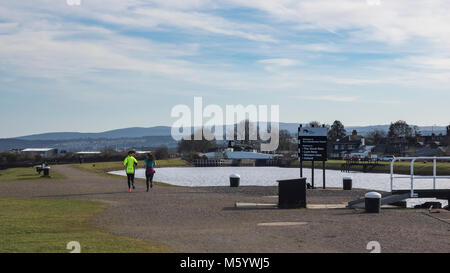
129	190
134	187
151	185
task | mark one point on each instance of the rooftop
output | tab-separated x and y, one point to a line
38	149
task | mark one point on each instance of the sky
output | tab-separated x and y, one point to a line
92	65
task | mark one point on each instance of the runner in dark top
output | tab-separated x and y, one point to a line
149	170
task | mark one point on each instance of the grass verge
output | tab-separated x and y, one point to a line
16	174
47	225
103	168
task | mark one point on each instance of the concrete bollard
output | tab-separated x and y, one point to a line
347	183
373	202
234	180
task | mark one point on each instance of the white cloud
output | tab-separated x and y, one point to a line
323	47
51	57
391	22
426	62
280	62
330	98
53	41
196	20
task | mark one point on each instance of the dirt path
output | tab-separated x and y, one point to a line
204	219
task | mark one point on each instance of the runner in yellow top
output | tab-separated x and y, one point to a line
130	163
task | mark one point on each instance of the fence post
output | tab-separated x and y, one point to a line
392	173
434	173
412	177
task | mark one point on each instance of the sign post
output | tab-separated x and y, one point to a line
323	173
300	161
312	146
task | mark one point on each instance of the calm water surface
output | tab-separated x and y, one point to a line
267	176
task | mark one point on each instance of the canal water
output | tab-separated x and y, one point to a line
267	176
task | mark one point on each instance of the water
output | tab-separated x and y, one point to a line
267	176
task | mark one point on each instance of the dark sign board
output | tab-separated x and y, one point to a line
312	143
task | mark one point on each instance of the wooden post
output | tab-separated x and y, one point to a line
323	169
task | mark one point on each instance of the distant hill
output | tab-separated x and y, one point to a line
91	144
139	132
133	132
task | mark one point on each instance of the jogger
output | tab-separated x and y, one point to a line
149	170
130	163
130	178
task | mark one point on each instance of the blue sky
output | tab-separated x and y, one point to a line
112	64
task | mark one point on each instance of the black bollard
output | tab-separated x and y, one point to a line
373	202
234	180
347	183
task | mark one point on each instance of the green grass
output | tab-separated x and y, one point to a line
15	174
420	168
103	168
47	225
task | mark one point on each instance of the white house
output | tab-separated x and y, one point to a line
44	152
362	152
237	155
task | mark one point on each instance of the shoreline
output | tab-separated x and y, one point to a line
403	167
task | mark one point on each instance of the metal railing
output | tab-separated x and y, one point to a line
412	176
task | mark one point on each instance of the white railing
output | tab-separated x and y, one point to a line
412	176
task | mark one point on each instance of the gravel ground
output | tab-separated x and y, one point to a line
205	220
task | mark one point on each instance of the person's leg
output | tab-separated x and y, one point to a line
132	180
151	180
129	181
147	178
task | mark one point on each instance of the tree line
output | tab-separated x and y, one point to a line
336	131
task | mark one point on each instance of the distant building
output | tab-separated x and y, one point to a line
44	152
236	155
143	152
88	153
397	146
362	152
440	151
343	147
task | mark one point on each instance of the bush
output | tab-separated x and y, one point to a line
11	158
161	153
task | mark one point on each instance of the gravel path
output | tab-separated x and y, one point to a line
205	220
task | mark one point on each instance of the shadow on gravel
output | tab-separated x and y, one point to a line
349	211
244	209
82	194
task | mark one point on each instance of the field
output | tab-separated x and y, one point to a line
104	167
47	225
420	168
15	174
